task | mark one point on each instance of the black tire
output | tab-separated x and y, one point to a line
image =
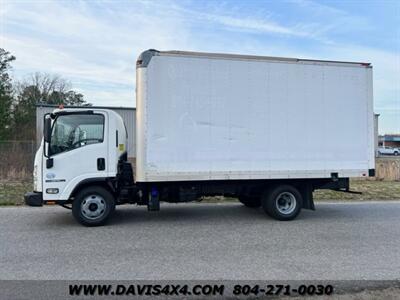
252	202
103	204
396	153
273	206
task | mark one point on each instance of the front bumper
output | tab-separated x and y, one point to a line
33	199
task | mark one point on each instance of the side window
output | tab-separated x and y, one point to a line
75	131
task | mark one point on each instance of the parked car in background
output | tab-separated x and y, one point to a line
388	151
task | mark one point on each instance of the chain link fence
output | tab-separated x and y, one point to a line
16	160
388	168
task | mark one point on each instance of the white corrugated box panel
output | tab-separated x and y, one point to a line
202	118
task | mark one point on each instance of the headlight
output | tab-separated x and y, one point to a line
52	191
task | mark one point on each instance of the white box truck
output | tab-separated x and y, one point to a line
267	130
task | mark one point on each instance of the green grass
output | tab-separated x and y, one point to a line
12	193
371	190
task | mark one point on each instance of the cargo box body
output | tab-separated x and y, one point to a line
219	117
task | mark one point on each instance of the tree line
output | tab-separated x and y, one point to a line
18	99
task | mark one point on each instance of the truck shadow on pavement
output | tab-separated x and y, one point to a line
182	213
215	213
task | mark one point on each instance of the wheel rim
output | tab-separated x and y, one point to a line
93	207
285	203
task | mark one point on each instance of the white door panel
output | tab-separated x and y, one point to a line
72	165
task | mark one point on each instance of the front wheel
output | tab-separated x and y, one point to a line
282	202
92	206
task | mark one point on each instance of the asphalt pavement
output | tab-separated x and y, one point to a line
338	241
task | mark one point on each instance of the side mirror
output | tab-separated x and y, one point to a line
47	130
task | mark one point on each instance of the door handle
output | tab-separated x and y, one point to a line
101	164
49	163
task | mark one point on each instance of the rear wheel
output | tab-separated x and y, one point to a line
92	206
282	202
249	201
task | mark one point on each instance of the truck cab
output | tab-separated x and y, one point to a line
79	156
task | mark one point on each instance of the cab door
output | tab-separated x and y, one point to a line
77	151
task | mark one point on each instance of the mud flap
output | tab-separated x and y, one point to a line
308	199
154	200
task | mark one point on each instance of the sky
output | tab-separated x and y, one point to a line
94	44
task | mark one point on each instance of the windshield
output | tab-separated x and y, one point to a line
75	131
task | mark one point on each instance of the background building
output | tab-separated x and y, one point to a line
376	133
390	140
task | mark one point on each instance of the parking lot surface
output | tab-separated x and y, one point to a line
204	241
